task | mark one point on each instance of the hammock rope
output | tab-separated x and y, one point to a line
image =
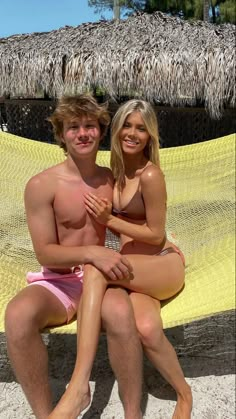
200	182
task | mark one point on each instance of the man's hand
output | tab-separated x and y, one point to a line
111	263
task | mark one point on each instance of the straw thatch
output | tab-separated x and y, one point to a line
157	57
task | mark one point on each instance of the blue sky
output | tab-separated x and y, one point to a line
26	16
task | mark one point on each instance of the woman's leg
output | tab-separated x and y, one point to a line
157	276
160	277
77	395
160	352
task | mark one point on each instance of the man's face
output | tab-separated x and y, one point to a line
81	135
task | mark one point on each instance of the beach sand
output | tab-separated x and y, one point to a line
214	398
208	368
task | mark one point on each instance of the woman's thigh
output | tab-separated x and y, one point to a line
160	277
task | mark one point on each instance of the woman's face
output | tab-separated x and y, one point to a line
134	135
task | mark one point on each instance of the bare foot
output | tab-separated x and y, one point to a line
184	406
71	404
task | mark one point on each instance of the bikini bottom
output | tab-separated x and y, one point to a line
172	249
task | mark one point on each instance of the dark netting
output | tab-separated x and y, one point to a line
177	126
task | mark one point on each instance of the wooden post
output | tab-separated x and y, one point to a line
116	10
206	7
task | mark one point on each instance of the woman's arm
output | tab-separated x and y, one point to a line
154	195
39	196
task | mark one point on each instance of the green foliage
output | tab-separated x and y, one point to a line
173	7
228	11
220	10
125	5
100	5
197	10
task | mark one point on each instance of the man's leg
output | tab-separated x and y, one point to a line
27	314
160	351
124	348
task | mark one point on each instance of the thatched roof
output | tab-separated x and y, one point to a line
162	59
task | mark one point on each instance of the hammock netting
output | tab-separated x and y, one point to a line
200	183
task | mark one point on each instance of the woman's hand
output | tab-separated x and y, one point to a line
99	208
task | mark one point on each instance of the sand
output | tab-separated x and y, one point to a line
214	398
208	369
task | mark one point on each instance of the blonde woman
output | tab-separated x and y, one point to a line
138	214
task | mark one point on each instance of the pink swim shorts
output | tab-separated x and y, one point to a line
66	287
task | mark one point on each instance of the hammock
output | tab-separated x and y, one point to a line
200	185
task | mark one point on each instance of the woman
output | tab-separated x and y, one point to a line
158	265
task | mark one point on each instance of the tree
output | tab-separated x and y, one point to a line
127	6
228	11
217	11
206	8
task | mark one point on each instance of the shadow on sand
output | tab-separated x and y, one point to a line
204	347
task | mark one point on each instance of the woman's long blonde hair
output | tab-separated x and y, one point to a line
151	150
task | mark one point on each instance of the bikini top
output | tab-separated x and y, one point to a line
134	209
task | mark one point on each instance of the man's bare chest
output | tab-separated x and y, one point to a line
69	207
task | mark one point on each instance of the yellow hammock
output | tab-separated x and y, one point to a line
200	183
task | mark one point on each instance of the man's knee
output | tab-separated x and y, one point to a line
19	319
117	311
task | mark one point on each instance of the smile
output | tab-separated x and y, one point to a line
85	142
131	142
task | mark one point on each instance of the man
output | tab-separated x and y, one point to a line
65	238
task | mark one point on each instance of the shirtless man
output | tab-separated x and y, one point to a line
64	237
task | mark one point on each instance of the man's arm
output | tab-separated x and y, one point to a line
39	196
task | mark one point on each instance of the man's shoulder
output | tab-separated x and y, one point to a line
44	177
